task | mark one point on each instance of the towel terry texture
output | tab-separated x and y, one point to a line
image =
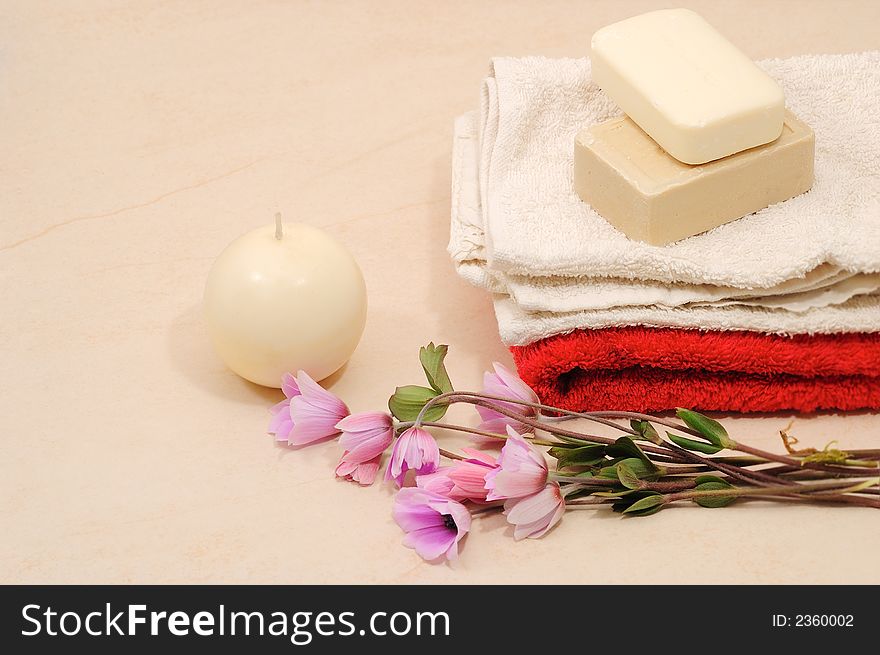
644	369
777	310
516	211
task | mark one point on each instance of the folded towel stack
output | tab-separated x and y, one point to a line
777	310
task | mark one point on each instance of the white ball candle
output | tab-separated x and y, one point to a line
283	298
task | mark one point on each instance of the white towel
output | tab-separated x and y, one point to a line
537	226
560	294
566	294
517	182
860	314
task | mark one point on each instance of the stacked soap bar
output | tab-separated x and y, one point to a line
706	139
649	196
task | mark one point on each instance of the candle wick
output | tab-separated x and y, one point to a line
278	230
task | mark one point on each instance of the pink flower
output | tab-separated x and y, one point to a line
464	480
534	515
433	523
521	470
365	436
315	412
504	382
439	483
469	475
363	473
281	423
416	450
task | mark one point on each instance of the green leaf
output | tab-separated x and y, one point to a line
407	402
627	477
646	431
581	456
710	478
693	444
626	447
637	466
629	497
432	357
645	506
581	474
574	441
713	485
614	493
709	429
581	491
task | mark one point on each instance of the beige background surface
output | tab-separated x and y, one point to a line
138	138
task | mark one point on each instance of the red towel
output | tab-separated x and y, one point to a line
654	369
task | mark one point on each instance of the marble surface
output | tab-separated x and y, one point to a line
138	138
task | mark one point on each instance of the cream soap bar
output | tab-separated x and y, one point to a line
687	86
649	196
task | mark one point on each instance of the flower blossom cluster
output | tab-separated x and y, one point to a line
432	505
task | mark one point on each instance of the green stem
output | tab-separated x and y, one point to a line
802	473
861	462
602	415
791	461
740	460
586	502
664	486
743	475
587	482
782	490
638	416
552	429
686	469
734	467
840	499
590	416
477	431
458	428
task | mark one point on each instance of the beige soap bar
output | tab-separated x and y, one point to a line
650	196
687	86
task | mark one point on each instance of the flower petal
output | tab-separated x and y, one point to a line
514	383
411	512
345	468
497	423
470	479
539	528
480	456
363	449
425	517
431	543
438	482
289	385
531	508
534	515
318	396
365	421
429	452
414	449
277	407
366	472
521	470
365	435
280	416
461	516
310	423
